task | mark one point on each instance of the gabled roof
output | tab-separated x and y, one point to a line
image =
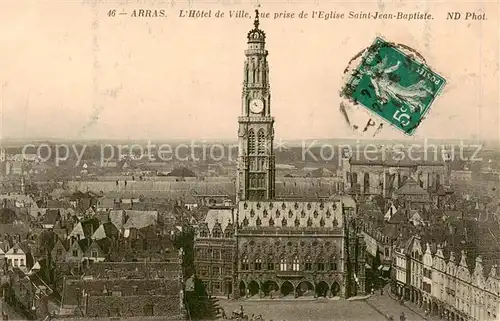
140	219
398	217
222	216
84	244
411	188
89	226
105	245
106	229
110	229
51	216
25	246
63	242
117	218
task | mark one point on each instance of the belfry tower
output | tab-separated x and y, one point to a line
256	176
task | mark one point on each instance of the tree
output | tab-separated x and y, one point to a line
185	240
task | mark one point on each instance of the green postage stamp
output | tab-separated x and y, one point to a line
394	85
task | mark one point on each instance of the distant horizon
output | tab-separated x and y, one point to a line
9	140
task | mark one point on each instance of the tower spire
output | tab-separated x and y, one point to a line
256	21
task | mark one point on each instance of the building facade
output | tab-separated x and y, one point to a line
214	250
292	248
384	171
450	287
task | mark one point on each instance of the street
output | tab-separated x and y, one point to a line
374	309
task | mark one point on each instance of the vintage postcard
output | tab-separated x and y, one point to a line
250	160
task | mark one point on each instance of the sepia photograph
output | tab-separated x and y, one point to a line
250	160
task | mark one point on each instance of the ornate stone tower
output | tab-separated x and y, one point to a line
256	177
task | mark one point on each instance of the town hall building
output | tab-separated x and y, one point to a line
267	246
285	247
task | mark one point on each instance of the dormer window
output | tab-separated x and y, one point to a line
302	214
277	213
252	213
245	205
322	222
321	206
335	222
216	233
290	214
271	205
258	205
308	206
296	206
265	213
245	221
309	222
283	206
297	222
271	222
283	222
328	214
258	222
315	214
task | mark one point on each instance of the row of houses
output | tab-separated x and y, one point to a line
454	275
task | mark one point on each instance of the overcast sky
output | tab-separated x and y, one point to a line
70	71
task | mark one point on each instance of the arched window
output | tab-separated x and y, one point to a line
251	142
283	222
258	222
333	264
354	179
366	183
261	142
296	264
244	263
308	265
283	265
297	222
258	264
320	264
270	263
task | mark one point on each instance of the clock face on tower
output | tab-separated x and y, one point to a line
256	106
